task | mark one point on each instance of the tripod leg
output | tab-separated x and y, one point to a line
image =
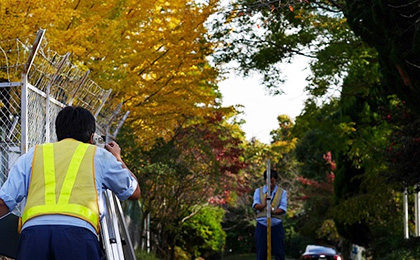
128	248
110	231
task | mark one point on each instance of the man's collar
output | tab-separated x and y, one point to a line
265	188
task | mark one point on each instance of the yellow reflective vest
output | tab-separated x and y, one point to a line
63	182
275	203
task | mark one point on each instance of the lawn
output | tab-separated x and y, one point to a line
240	257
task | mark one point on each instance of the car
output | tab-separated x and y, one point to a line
315	252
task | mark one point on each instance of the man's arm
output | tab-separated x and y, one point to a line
283	204
260	207
257	205
136	193
3	208
278	211
115	149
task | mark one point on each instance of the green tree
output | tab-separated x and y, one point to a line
202	235
391	28
343	113
356	135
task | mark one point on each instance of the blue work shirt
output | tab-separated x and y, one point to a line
109	174
283	204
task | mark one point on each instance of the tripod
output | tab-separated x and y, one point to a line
114	232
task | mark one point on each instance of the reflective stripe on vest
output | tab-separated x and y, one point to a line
275	203
76	190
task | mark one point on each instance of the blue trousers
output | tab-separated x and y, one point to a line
61	242
277	241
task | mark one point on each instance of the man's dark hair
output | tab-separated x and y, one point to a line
273	173
75	122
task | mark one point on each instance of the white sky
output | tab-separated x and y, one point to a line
260	109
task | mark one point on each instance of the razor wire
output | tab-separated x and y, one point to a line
52	82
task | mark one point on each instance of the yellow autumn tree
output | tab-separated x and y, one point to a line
166	62
151	53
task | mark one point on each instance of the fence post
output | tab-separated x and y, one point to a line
24	94
47	98
405	206
417	210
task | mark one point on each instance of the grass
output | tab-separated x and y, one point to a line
240	257
244	257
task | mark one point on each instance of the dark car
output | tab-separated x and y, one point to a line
320	253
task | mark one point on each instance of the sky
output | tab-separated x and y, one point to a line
260	109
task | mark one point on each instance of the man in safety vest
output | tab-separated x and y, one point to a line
62	183
279	205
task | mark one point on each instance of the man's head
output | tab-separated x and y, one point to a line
273	174
273	178
75	122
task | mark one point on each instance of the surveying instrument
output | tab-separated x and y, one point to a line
268	210
35	84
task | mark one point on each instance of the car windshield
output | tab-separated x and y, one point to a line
320	250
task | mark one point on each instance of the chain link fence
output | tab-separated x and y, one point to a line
35	84
13	54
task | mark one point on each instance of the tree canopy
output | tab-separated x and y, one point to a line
152	54
350	150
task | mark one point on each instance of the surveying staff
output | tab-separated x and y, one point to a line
61	182
279	205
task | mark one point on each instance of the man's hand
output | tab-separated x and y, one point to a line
3	208
115	149
277	211
261	206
